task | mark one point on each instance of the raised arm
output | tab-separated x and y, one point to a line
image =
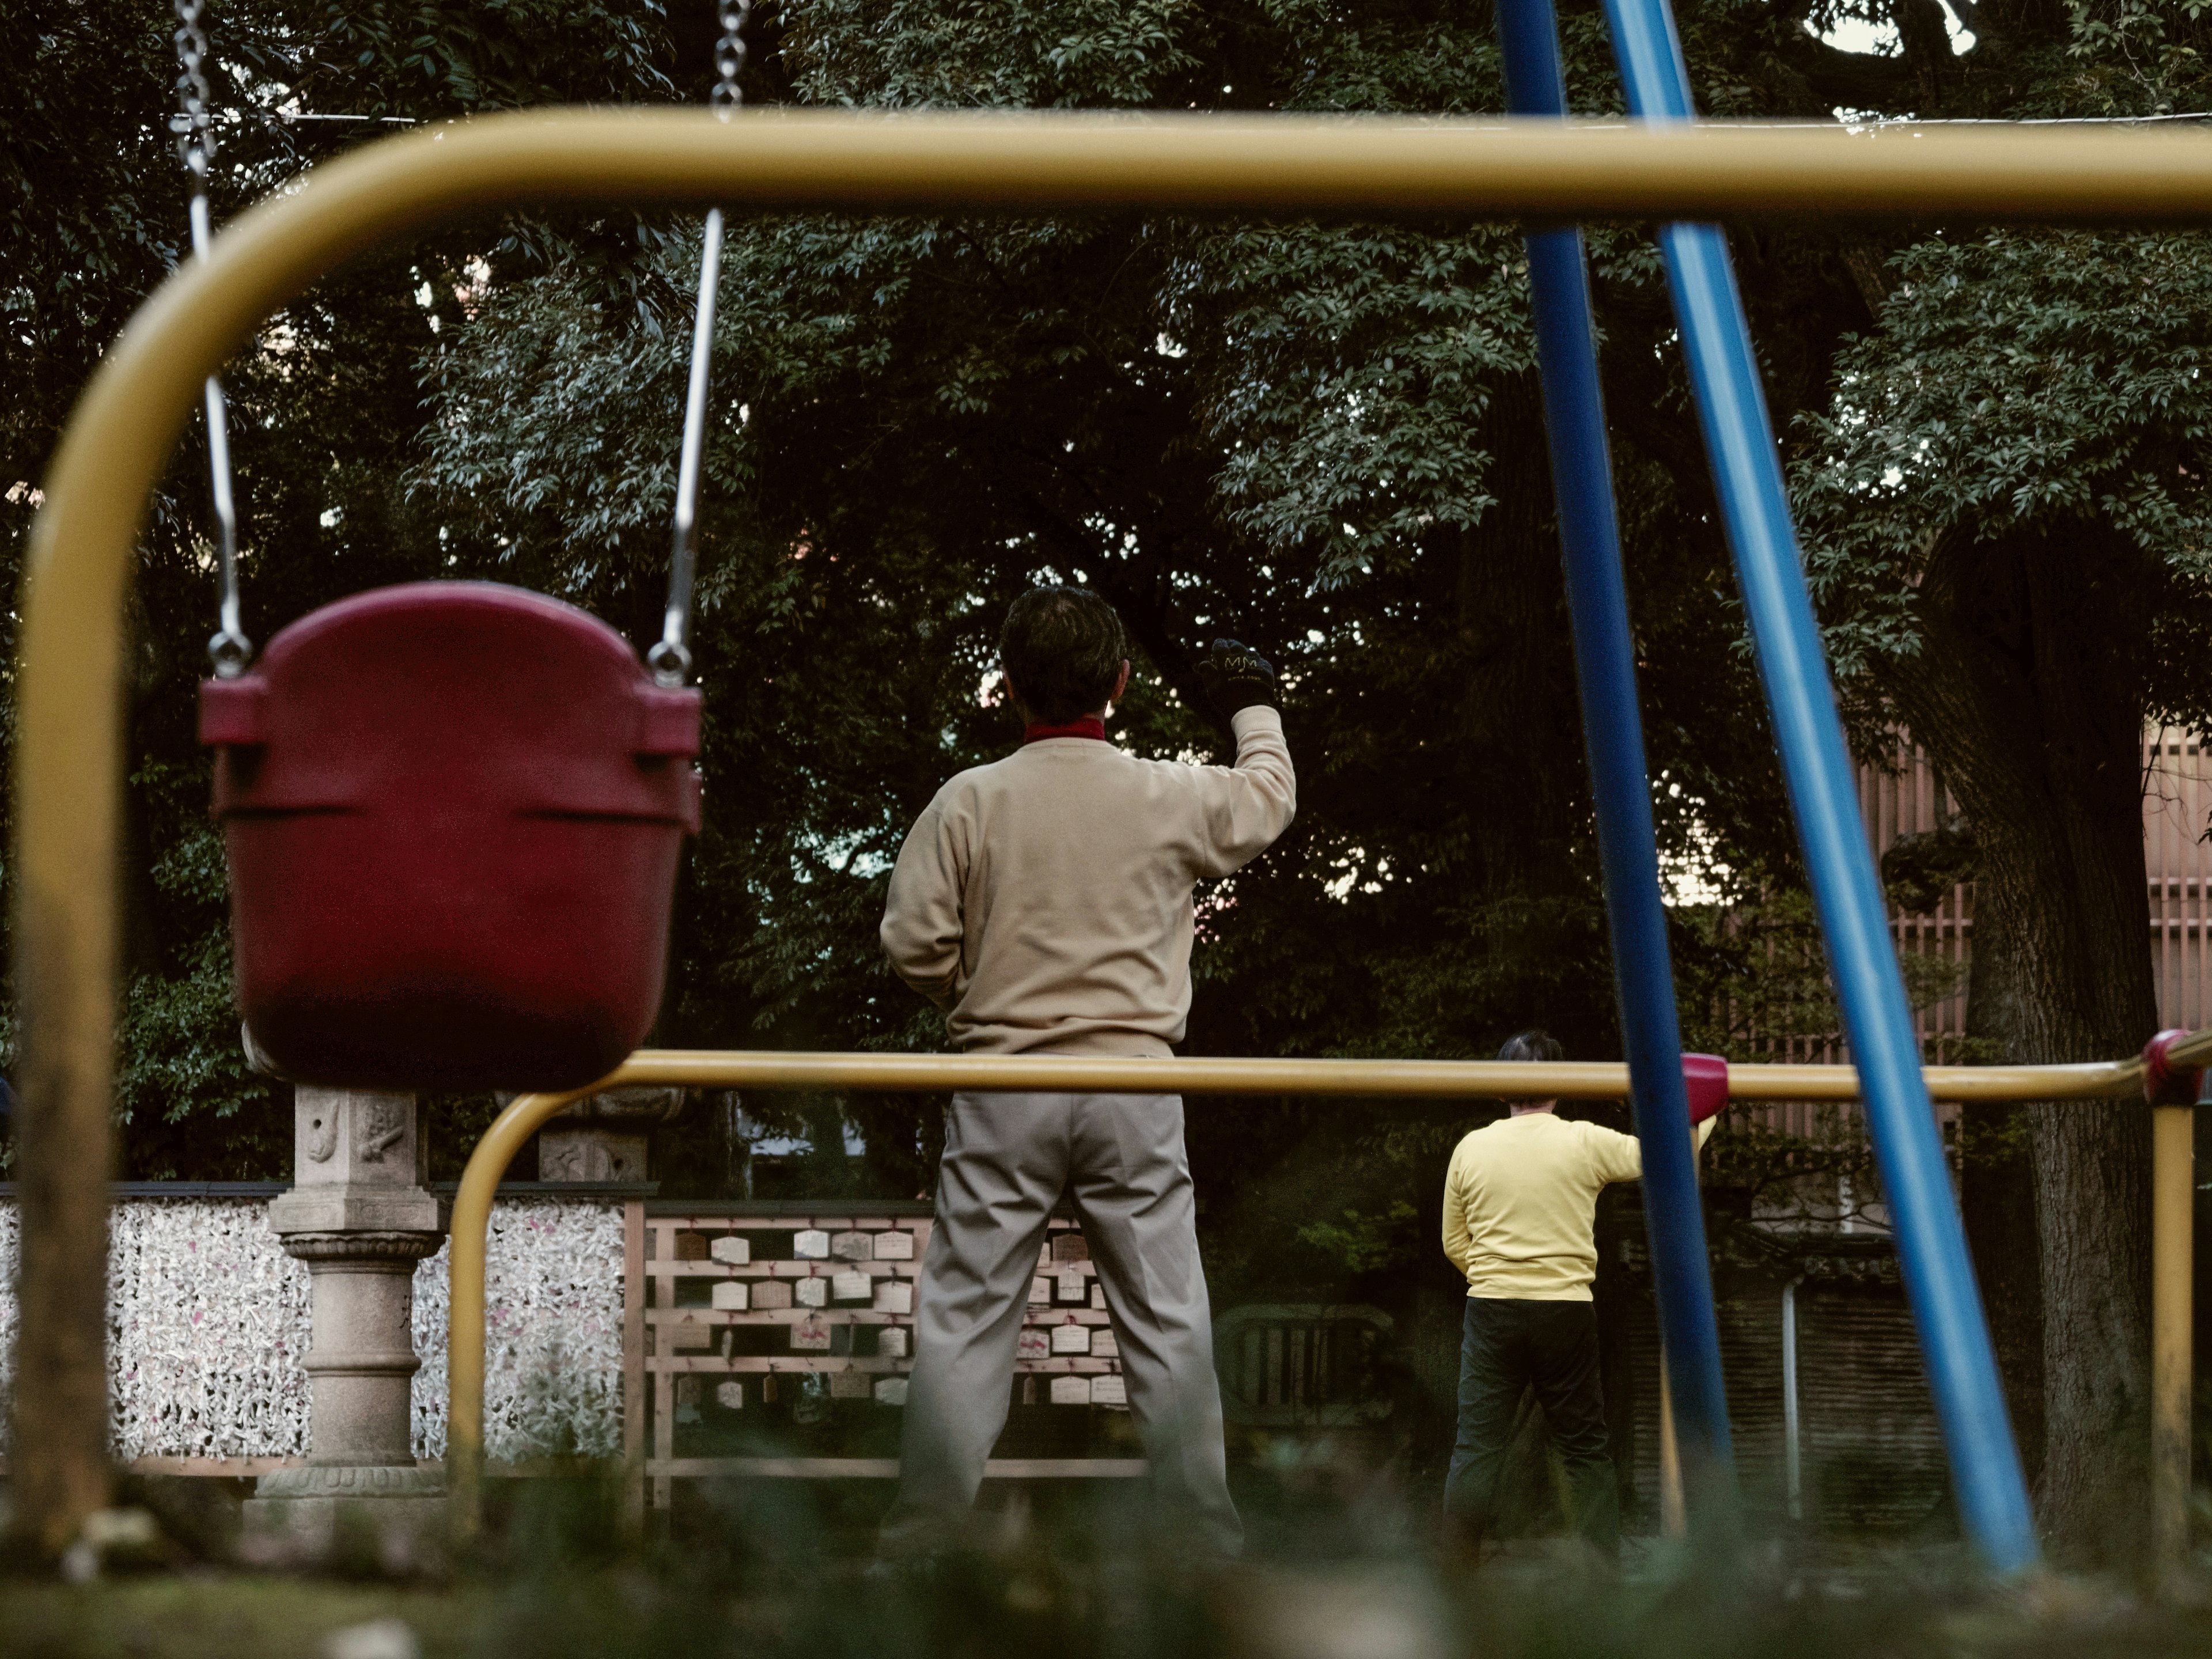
922	931
1617	1157
1249	805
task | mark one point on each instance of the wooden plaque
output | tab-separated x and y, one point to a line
730	1295
812	1245
770	1293
810	1335
732	1248
897	1245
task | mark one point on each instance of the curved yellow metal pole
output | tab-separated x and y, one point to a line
2173	1328
464	1294
2191	1053
897	1073
68	753
945	1073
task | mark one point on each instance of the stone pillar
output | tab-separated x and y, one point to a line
603	1137
360	1217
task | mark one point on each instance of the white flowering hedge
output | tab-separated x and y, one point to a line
208	1323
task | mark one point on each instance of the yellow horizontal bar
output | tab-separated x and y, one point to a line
1041	162
895	1074
2193	1052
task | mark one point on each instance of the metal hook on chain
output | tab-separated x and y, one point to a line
669	659
229	650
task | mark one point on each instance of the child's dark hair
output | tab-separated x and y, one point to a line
1536	1043
1063	648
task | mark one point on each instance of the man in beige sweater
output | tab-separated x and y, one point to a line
1044	902
1520	1223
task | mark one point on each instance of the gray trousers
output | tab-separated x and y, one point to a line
1008	1159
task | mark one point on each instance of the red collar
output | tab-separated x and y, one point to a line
1089	727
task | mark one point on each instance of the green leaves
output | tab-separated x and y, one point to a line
1359	1243
2046	378
1353	373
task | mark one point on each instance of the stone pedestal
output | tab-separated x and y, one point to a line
360	1217
602	1136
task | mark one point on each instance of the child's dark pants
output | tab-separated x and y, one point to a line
1552	1347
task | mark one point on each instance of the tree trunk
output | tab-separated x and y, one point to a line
2028	693
1998	1203
1998	1197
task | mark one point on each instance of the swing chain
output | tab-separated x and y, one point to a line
670	658
730	52
229	650
194	128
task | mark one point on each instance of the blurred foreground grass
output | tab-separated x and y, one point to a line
1528	1609
772	1571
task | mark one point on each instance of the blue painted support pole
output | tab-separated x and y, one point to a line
1931	1242
1613	731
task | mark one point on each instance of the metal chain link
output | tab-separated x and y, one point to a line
669	659
730	53
194	127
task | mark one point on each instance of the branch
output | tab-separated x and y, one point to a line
1972	19
1850	80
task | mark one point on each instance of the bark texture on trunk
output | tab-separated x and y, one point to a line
1998	1200
2028	693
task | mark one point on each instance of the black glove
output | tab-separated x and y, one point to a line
1237	677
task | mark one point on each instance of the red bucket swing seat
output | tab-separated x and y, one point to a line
452	812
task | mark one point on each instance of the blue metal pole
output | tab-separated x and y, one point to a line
1612	731
1938	1274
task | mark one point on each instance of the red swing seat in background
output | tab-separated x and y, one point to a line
452	812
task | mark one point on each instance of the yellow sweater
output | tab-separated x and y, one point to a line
1521	1204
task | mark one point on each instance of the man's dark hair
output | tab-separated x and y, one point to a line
1063	648
1536	1043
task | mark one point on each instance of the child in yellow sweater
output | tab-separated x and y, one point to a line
1520	1221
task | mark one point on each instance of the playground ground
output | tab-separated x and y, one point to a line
1897	1607
768	1574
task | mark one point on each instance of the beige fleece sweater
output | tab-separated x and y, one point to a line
1044	901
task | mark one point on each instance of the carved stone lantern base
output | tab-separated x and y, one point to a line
358	1216
392	1518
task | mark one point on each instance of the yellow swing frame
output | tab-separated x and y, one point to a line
125	427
